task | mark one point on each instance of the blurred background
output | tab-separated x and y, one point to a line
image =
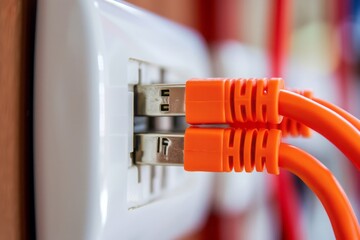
313	45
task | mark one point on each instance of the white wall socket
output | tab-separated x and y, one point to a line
86	184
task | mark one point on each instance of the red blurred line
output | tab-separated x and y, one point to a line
288	199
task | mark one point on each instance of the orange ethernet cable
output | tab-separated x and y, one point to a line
228	149
328	123
257	103
350	118
234	101
321	181
246	105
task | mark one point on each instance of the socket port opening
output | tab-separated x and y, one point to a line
147	184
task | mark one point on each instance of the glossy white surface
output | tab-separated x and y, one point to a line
84	122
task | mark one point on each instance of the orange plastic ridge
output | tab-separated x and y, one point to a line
288	126
227	149
218	100
293	128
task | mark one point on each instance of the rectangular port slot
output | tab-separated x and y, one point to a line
165	92
164	107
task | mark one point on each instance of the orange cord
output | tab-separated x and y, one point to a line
288	127
326	122
320	180
350	118
227	149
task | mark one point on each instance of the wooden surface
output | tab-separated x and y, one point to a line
17	19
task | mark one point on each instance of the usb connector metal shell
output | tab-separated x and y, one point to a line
159	149
160	100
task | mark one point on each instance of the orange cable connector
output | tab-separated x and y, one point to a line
217	100
255	109
250	101
244	103
227	149
233	101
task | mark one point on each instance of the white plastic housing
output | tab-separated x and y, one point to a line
86	185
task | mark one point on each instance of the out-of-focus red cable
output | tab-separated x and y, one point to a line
342	12
279	36
320	180
289	205
290	213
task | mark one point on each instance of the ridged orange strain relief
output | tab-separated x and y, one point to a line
218	100
288	127
305	93
227	149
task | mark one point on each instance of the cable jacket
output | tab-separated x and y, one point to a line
350	118
320	180
324	121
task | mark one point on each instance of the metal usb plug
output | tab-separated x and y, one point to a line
160	100
157	100
159	149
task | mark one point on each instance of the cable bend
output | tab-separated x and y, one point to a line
324	121
350	118
321	181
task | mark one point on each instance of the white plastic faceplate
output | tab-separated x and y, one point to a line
86	185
